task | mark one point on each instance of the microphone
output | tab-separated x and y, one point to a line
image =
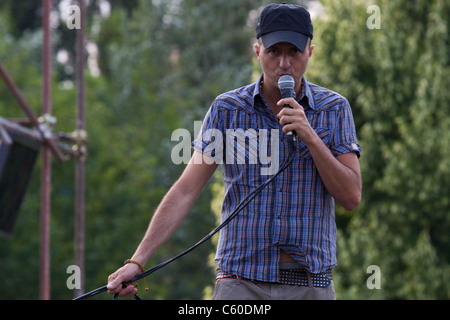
286	85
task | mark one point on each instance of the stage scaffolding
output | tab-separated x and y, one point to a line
63	147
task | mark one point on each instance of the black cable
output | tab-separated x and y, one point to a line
241	205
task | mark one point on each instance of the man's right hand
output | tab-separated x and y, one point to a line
124	274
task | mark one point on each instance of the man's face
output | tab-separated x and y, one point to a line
281	59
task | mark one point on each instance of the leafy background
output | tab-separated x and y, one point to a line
155	66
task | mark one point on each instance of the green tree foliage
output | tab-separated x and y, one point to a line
397	80
161	64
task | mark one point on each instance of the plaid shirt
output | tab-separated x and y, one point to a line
295	212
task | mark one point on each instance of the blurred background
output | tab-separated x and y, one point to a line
155	66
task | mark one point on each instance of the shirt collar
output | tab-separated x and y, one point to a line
257	92
305	91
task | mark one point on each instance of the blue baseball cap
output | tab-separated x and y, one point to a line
284	23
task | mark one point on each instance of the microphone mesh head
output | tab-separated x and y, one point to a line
286	82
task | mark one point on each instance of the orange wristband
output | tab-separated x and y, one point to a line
135	262
140	267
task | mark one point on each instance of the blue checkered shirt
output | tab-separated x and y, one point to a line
295	212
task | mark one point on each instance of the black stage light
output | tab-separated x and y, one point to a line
18	154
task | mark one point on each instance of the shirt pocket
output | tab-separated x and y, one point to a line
324	134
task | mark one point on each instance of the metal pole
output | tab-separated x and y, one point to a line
80	162
16	93
44	289
28	111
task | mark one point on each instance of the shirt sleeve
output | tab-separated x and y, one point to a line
209	141
344	138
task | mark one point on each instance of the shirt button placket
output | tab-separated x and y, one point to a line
277	214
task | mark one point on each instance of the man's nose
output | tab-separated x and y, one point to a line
285	62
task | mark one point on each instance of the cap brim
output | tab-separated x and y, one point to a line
297	39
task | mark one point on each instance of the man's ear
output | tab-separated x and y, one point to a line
257	49
311	48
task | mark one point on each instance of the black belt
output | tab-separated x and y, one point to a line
297	277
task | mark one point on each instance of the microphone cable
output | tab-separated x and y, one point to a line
239	208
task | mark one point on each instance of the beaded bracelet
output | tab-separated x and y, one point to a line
135	262
140	267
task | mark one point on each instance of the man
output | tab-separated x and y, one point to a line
283	244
